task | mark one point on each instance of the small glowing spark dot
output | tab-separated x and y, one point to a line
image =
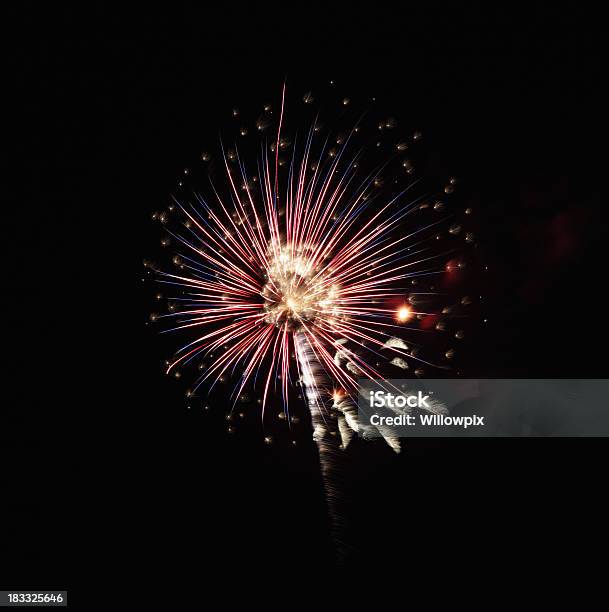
403	314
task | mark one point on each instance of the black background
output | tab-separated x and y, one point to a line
107	474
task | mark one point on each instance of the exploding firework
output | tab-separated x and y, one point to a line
310	258
311	262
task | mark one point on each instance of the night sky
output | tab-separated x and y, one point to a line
104	466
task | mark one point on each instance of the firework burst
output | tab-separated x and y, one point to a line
299	265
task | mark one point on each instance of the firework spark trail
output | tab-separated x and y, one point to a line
331	458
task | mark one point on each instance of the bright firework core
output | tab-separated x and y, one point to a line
296	293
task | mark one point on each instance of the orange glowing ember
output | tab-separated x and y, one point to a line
403	314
